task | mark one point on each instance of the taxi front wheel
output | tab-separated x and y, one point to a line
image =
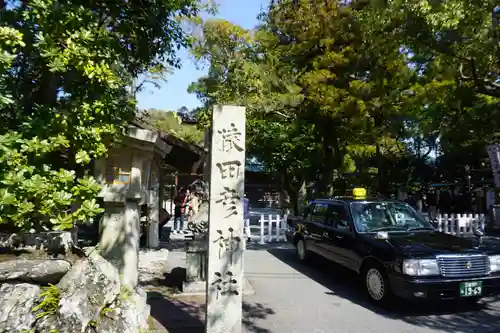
377	284
301	250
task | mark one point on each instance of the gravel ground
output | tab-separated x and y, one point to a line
152	265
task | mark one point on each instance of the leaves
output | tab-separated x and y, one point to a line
359	93
65	69
171	122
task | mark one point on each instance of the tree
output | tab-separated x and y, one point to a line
354	79
459	33
316	98
65	69
172	122
243	71
354	93
455	47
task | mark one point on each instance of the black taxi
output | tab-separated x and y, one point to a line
396	251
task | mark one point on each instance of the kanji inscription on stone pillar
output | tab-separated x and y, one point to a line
225	247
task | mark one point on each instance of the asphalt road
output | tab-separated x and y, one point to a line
291	297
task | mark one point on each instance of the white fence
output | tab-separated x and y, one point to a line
275	225
460	224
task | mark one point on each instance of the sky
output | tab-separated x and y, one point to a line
173	94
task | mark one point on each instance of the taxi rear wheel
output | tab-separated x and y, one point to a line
377	284
301	249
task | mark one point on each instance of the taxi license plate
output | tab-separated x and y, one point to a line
471	289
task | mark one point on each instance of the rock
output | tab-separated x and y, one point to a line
10	240
86	289
126	315
38	271
16	304
52	241
88	298
61	241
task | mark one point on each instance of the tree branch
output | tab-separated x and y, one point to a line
284	116
483	86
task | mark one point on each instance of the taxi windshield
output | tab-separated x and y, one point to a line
387	216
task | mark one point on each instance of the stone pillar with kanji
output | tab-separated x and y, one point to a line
226	241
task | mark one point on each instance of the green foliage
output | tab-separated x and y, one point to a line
170	122
34	196
105	312
459	34
362	93
65	69
49	302
125	292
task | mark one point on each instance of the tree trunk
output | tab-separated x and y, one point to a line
382	189
284	193
330	157
379	157
301	199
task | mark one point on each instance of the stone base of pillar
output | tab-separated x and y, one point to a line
196	270
196	261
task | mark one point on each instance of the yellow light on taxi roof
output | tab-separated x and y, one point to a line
359	193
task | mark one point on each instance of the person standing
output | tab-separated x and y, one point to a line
246	218
180	203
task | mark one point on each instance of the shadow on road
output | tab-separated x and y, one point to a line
443	317
177	316
253	312
187	314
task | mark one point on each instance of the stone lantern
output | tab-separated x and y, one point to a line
130	178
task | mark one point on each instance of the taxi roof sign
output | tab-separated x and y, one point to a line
359	193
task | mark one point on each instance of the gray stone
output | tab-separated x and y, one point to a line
119	241
225	232
199	222
126	315
86	289
38	271
91	299
52	241
197	246
153	234
196	261
16	304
